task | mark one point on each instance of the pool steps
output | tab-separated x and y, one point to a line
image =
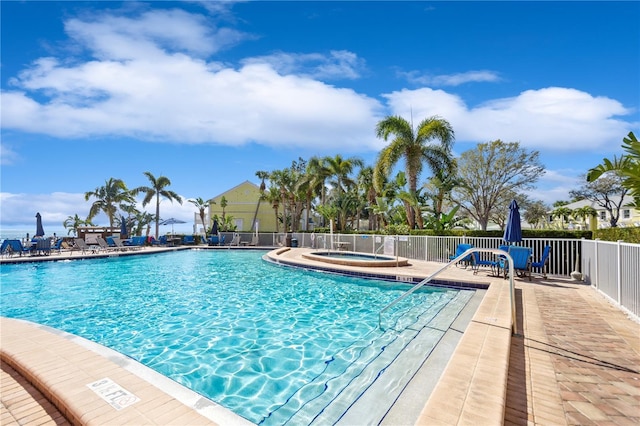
331	400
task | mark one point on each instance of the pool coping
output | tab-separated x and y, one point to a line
472	388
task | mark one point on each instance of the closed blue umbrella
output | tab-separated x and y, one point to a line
123	228
39	228
214	228
513	230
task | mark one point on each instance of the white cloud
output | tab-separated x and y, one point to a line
19	210
339	64
7	155
456	79
554	118
160	85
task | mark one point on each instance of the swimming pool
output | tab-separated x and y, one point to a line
272	345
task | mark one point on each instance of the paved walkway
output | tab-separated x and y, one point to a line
575	361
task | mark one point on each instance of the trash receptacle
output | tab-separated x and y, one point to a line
294	242
287	241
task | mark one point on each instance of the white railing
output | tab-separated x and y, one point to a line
613	268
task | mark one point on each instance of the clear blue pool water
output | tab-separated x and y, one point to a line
270	343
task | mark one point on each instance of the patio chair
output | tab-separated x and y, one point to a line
11	247
235	241
42	247
477	262
119	244
214	240
461	248
543	263
521	261
103	244
80	244
254	241
188	240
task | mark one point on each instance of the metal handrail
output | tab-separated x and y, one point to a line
514	327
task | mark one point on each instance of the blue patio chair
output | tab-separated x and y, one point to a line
521	261
461	249
543	263
214	240
477	262
188	239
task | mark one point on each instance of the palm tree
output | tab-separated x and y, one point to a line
414	147
365	183
628	166
157	190
563	213
201	205
340	169
273	196
72	223
262	175
584	213
113	195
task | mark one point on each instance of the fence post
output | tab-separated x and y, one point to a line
619	271
597	281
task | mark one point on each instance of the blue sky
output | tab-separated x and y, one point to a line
207	93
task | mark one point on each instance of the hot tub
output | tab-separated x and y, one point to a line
350	258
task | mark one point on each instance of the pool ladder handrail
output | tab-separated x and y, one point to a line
458	259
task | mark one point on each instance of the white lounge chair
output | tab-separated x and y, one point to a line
236	240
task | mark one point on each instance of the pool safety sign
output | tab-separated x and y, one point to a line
113	393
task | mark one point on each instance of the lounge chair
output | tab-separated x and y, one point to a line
57	246
80	244
461	248
103	244
214	240
11	247
521	261
235	241
119	244
255	240
543	263
188	240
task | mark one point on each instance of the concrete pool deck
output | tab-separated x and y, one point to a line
574	360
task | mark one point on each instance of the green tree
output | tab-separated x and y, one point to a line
201	205
490	170
536	214
607	192
415	148
627	166
563	213
72	223
108	198
584	213
157	190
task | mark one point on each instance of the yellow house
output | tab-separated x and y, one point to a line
245	209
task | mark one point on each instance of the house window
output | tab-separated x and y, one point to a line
603	215
626	214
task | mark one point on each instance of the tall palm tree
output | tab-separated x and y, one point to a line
201	205
113	195
340	169
157	190
415	147
365	184
272	195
